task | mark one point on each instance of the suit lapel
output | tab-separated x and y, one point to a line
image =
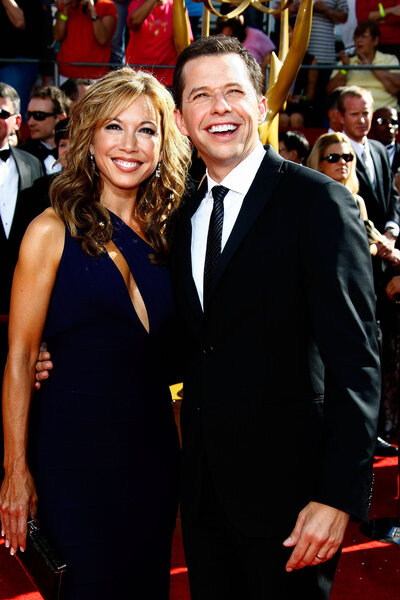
24	172
185	249
260	192
362	174
379	189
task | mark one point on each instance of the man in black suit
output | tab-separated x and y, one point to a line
18	171
385	128
279	338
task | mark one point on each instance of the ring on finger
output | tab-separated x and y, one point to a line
318	557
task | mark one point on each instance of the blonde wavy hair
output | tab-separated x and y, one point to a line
319	150
75	192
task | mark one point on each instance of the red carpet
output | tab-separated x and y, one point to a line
368	569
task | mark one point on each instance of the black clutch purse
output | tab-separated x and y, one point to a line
41	563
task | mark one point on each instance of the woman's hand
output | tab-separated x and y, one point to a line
344	57
18	500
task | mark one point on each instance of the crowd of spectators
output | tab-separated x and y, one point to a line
85	38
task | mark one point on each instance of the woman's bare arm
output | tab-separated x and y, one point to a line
33	282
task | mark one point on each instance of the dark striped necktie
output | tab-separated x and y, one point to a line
214	237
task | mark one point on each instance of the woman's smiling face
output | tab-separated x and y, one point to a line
128	147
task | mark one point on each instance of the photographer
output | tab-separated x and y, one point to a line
85	29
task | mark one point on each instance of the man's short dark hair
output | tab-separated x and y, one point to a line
332	98
295	140
70	87
58	98
9	93
213	46
61	130
370	26
236	24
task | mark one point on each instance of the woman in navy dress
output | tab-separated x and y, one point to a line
94	453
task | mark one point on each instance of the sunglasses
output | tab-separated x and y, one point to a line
38	115
334	158
383	121
4	114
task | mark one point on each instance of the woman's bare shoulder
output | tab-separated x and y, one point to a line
45	231
47	224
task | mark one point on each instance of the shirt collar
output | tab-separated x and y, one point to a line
241	177
359	148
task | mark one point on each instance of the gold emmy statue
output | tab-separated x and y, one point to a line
283	68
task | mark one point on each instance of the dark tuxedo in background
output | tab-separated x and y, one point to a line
396	158
29	169
286	347
38	149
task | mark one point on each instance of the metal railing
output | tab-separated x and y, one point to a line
56	69
56	66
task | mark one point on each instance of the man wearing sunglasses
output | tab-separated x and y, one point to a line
47	106
385	128
18	171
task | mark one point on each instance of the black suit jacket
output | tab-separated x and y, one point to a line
36	148
285	349
396	158
381	200
29	169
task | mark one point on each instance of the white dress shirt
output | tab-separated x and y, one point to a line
238	181
8	191
49	161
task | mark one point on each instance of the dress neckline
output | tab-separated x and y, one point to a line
117	220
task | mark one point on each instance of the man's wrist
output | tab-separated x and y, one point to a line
392	229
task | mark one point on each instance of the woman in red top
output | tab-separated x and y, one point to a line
85	29
151	40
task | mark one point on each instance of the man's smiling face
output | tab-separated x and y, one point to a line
220	111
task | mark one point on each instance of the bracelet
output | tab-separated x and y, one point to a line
343	71
381	10
63	17
95	18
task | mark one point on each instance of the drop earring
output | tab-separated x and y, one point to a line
91	157
158	170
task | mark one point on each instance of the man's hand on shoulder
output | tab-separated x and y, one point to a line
317	535
43	365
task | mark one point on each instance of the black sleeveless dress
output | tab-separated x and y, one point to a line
103	445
